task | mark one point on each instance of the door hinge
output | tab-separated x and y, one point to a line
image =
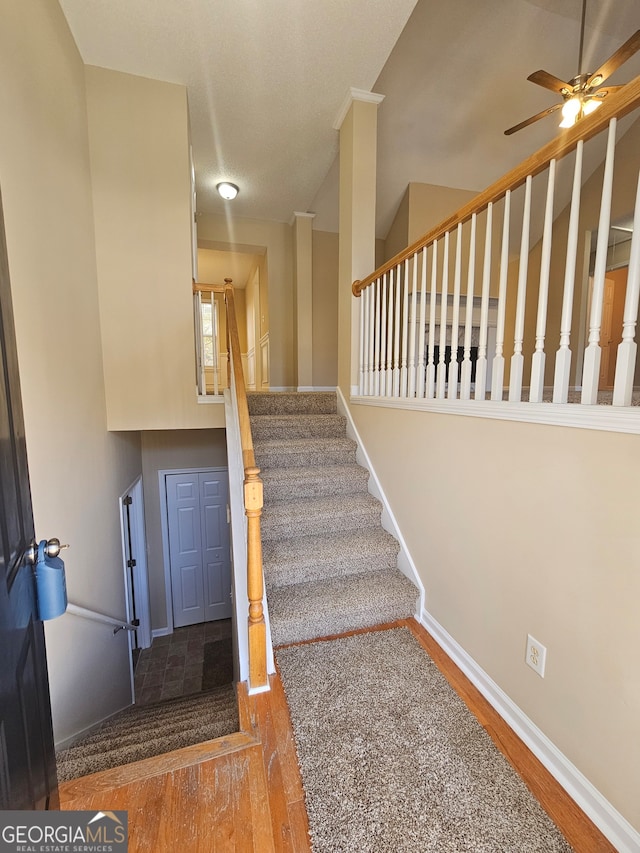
127	501
131	564
228	514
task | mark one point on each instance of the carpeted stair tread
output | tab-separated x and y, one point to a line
297	426
311	558
315	515
292	403
306	482
146	731
155	717
302	452
309	610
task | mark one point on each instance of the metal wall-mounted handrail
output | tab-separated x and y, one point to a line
94	616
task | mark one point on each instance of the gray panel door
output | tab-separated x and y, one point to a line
199	546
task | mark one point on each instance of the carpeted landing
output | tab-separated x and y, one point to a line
392	759
329	566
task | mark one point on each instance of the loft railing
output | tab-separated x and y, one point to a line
252	503
210	377
425	334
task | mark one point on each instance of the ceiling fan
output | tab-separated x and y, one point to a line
582	94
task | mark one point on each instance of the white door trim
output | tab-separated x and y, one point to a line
164	524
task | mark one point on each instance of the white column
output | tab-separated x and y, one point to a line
303	281
357	123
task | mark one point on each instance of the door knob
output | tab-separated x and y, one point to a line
52	548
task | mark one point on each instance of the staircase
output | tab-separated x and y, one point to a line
329	566
147	731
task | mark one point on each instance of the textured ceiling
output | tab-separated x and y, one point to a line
266	81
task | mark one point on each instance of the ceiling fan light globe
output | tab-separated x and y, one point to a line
590	106
570	111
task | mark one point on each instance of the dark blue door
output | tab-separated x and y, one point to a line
27	757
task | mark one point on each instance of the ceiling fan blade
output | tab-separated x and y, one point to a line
543	78
602	93
626	51
531	120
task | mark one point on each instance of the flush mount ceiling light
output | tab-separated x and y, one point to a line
227	191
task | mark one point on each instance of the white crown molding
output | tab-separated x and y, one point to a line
355	95
608	820
300	215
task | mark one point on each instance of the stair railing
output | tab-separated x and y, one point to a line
207	365
418	328
94	616
252	504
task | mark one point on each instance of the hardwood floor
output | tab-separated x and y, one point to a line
244	792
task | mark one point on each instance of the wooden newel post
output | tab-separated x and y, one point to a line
257	628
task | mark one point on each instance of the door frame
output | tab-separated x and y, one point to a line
164	524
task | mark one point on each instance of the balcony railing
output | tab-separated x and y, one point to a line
434	319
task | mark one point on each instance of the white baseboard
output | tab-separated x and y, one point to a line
161	632
608	820
316	387
281	388
72	739
405	563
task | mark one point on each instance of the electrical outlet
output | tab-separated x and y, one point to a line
536	656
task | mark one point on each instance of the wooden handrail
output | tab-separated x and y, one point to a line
617	105
199	286
252	505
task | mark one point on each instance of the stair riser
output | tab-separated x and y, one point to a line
280	526
323	403
329	426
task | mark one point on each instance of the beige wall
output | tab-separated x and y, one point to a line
276	280
325	309
78	470
398	235
171	450
519	528
139	144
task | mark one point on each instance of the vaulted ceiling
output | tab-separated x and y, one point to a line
266	81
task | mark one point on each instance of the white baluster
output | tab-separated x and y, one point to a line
367	326
626	361
481	363
536	385
497	373
591	371
376	342
421	337
405	331
389	377
452	390
441	372
465	369
563	355
396	335
383	338
412	341
517	359
431	368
